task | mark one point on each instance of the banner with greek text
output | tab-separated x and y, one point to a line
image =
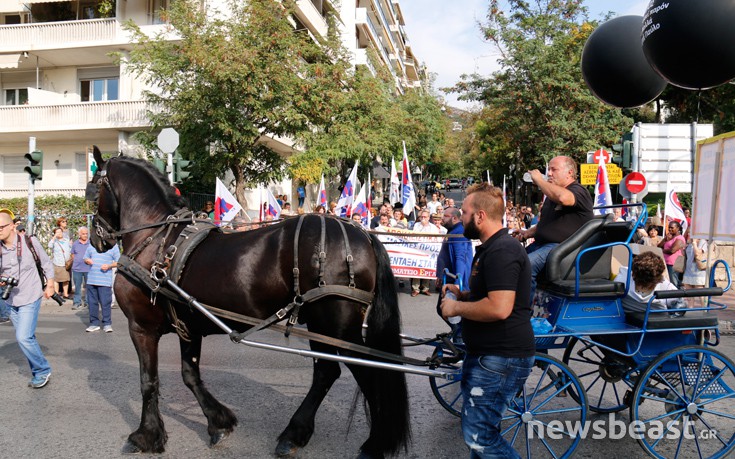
411	254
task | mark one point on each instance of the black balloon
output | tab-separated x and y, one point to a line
614	67
691	43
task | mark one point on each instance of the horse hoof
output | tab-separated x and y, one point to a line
286	448
215	439
131	448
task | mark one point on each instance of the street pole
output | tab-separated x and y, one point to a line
31	191
170	167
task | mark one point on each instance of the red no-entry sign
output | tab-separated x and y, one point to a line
601	154
635	182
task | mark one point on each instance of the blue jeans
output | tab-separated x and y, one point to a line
489	382
24	320
97	296
80	279
537	255
4	310
674	277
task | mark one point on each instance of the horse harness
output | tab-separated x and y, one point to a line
170	262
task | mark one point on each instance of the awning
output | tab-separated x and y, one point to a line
10	6
9	61
380	171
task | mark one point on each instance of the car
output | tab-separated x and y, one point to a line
454	184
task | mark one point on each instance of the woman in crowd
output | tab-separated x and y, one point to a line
673	247
60	253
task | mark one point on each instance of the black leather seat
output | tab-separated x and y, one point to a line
594	266
660	321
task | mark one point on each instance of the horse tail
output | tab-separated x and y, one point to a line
384	326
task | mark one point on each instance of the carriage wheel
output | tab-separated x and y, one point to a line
606	379
448	393
539	419
685	404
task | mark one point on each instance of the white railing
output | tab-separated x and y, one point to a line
9	193
85	115
312	16
56	35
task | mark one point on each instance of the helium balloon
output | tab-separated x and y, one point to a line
691	43
614	67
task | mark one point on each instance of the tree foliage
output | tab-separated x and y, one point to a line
537	105
232	79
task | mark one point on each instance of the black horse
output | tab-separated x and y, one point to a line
249	273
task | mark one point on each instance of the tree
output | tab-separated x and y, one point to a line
537	105
716	106
233	81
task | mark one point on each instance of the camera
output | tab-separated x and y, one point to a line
56	297
9	282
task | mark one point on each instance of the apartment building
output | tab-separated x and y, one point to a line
59	84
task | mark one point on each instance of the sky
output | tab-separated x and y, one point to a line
445	35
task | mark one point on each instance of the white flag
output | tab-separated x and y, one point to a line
225	205
395	184
408	197
359	207
672	208
603	197
505	202
321	199
271	206
344	205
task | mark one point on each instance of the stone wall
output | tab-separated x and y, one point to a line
725	251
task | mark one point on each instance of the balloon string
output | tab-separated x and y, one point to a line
699	101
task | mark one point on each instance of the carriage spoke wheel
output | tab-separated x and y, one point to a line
540	420
448	392
685	404
606	379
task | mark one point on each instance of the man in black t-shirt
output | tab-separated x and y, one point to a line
567	207
496	322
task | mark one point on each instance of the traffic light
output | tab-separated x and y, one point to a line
35	164
181	167
160	165
624	151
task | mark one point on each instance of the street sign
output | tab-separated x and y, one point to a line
168	140
601	154
588	174
631	186
635	182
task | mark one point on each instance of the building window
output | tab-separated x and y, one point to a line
154	10
17	96
99	89
12	172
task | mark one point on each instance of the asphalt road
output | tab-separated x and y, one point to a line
93	401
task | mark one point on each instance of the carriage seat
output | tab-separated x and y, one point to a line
558	276
690	320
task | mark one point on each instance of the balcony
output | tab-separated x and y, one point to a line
60	35
361	58
311	17
82	116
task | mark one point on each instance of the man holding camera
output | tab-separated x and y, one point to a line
22	289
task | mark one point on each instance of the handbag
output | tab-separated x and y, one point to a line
69	262
680	263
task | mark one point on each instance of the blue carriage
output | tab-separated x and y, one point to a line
659	364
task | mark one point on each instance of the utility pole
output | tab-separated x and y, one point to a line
31	191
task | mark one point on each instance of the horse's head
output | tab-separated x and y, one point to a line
106	220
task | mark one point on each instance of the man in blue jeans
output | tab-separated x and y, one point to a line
567	207
99	287
496	323
24	299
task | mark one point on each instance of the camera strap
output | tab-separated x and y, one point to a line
29	243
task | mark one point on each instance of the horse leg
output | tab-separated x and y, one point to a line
301	427
151	435
220	419
369	380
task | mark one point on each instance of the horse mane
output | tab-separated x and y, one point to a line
161	180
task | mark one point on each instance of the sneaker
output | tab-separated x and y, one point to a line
39	381
93	328
4	320
76	307
106	329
